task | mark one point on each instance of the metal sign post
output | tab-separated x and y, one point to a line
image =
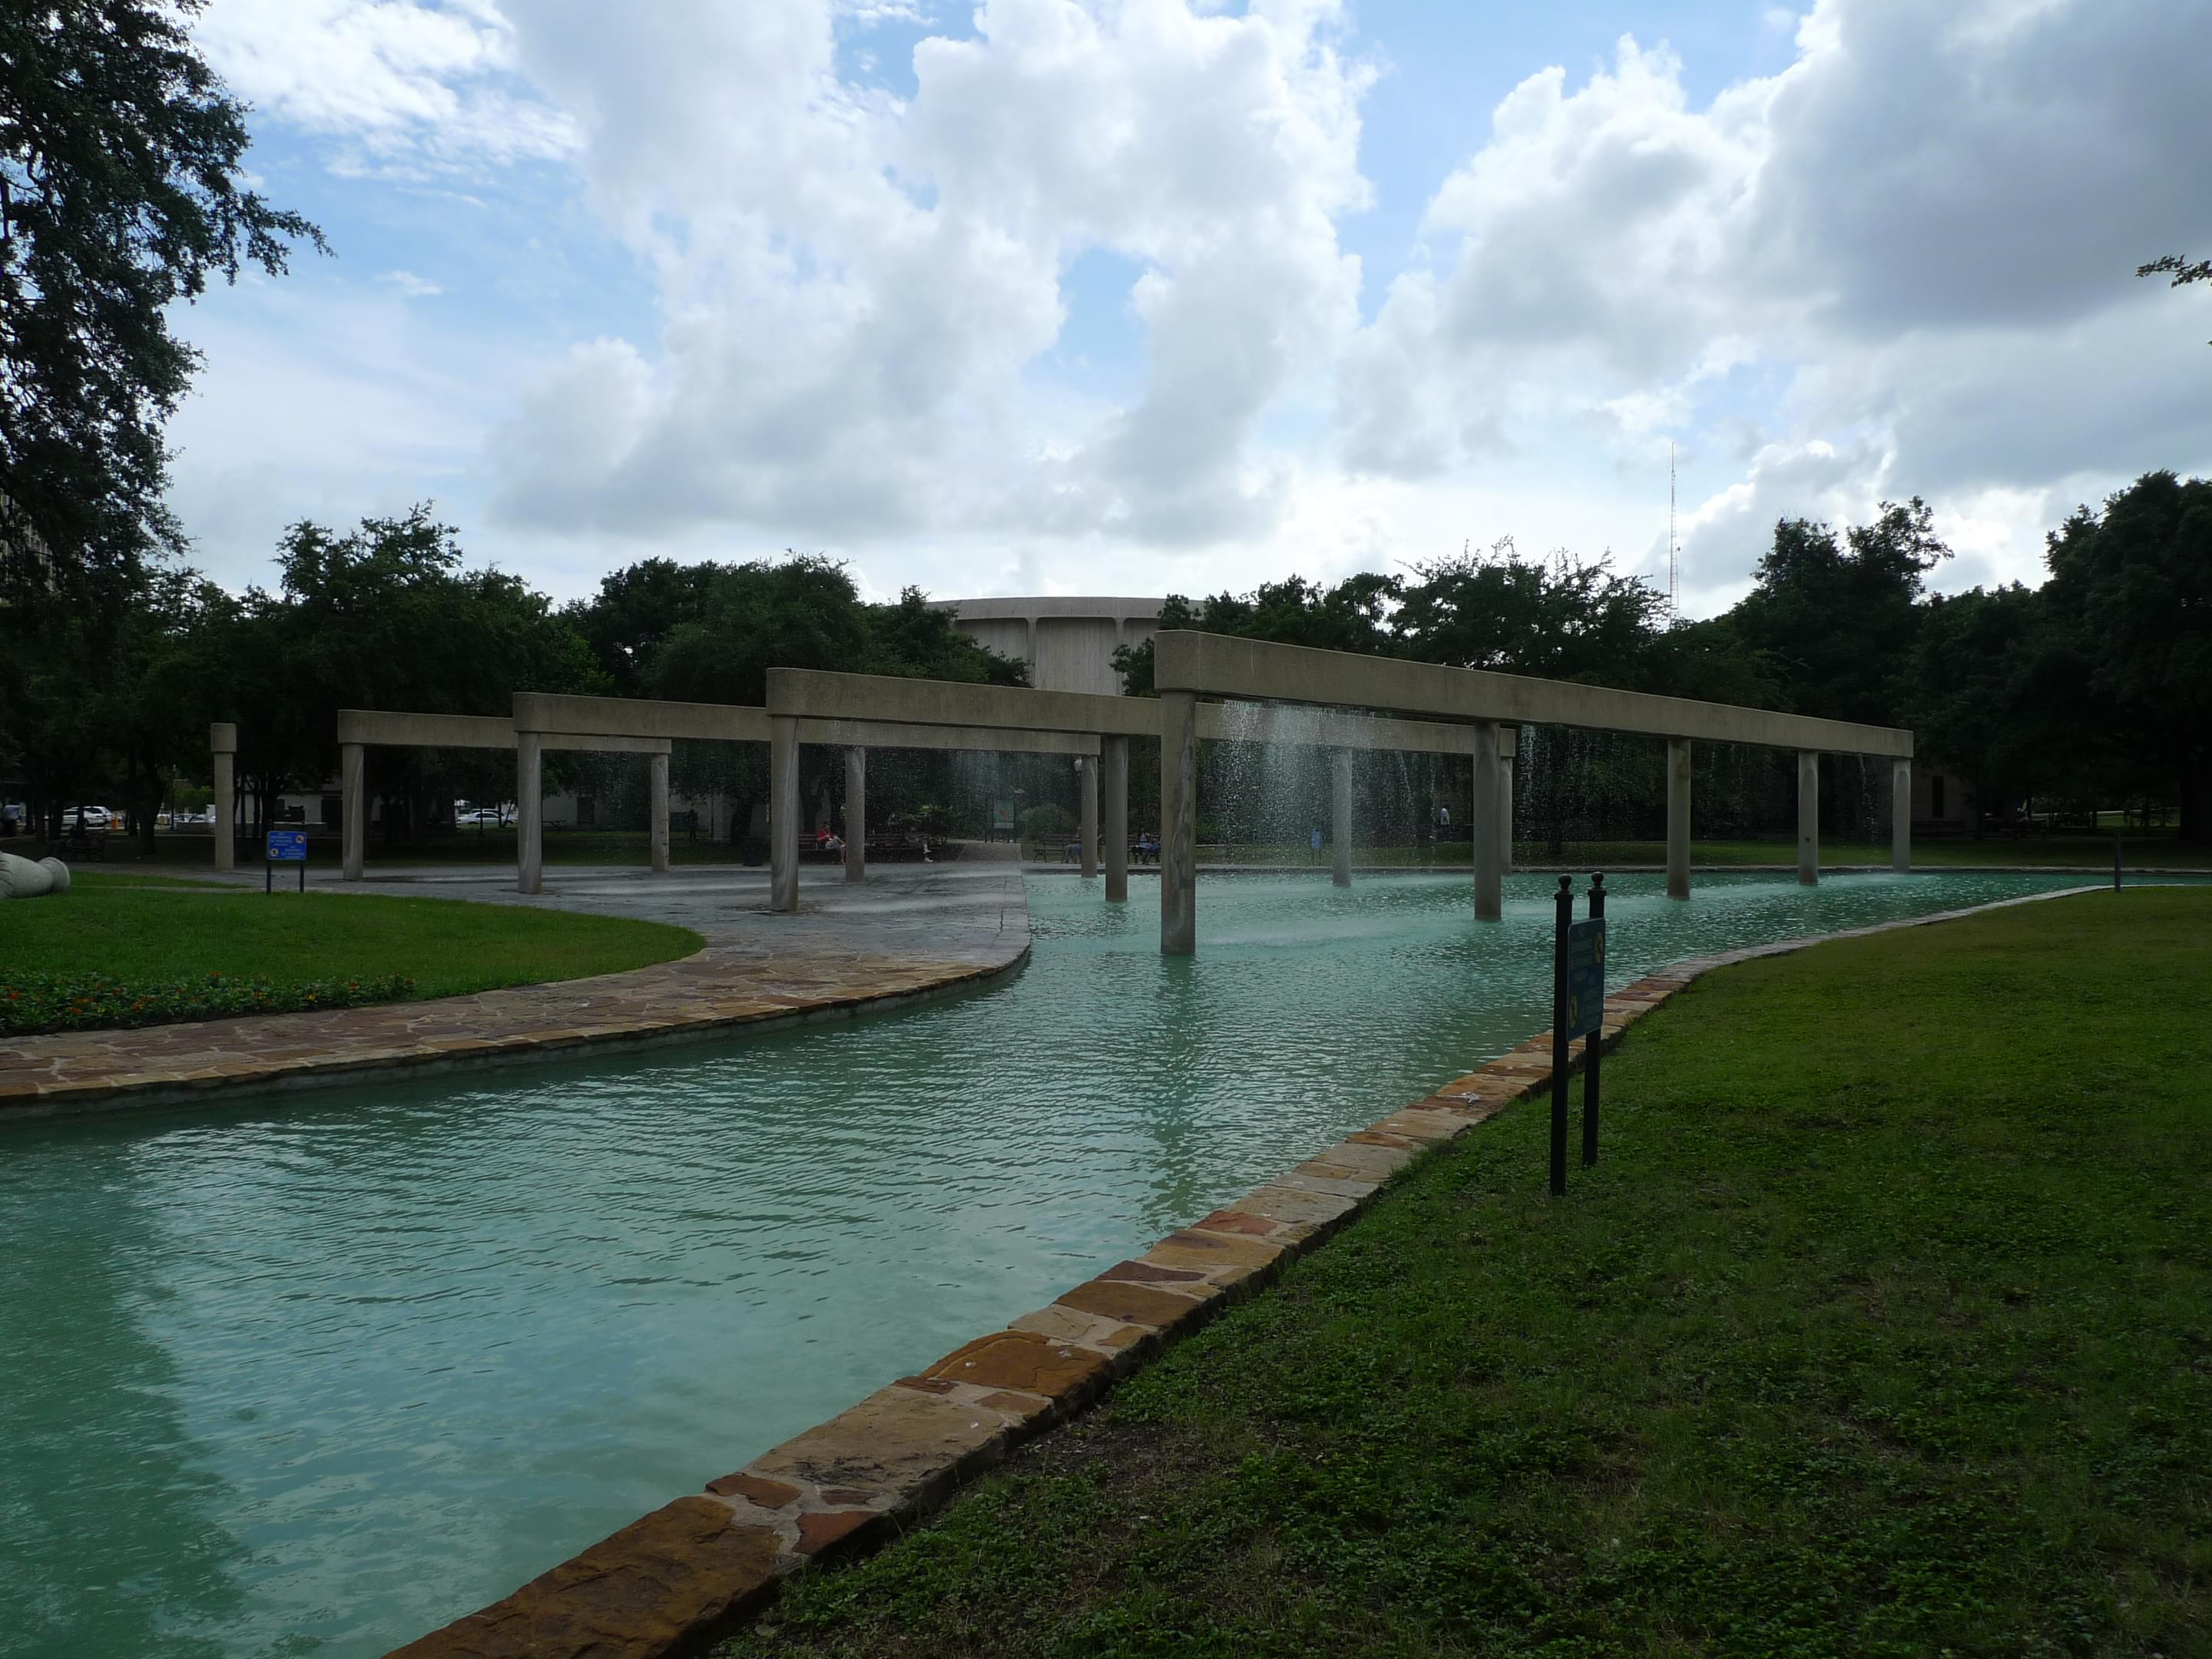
1563	920
284	847
1594	1001
1578	1011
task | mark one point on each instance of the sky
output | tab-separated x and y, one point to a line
1150	296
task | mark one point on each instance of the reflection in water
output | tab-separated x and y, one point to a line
313	1377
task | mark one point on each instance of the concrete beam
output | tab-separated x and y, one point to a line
1328	728
813	694
601	743
639	717
1213	664
972	739
385	728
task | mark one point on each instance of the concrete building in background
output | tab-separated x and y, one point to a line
1068	643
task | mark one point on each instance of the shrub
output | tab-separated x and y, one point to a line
31	1003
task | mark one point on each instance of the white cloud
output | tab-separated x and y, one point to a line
404	84
1902	264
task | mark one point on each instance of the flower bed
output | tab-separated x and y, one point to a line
33	1002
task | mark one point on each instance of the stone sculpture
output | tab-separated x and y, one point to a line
22	879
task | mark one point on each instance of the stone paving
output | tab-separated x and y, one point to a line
909	930
691	1571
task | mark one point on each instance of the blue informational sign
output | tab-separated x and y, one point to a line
1585	977
288	847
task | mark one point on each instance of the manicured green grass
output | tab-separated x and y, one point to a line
1883	1327
141	928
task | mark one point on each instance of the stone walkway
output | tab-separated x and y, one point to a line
910	930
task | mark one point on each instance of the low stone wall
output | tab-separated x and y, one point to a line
679	1579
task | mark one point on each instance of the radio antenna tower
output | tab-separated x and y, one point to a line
1673	547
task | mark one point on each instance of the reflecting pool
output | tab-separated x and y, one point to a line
313	1376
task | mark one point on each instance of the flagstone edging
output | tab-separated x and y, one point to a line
33	1093
678	1580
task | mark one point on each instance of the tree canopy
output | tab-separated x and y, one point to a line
121	191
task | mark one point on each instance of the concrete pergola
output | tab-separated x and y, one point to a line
359	729
1187	666
802	697
544	719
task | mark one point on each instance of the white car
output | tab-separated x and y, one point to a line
92	817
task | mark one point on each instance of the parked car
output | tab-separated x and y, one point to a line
92	817
490	815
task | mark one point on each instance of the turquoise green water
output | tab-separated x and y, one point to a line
313	1376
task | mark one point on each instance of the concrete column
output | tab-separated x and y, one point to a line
222	744
1678	817
1339	817
1506	764
856	813
1032	623
529	813
1808	819
1178	824
1088	767
783	814
659	764
353	805
1900	815
1485	824
1114	782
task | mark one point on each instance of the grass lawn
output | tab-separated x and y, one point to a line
1885	1328
144	927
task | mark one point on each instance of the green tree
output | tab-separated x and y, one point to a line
2132	590
1838	620
2184	271
120	192
1993	690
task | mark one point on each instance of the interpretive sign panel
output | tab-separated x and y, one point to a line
1585	977
288	847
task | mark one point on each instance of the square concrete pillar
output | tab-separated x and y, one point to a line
1178	824
1113	787
1506	764
1808	819
1339	817
856	813
1678	817
529	813
1486	822
659	765
783	814
223	746
1900	815
1088	767
353	807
